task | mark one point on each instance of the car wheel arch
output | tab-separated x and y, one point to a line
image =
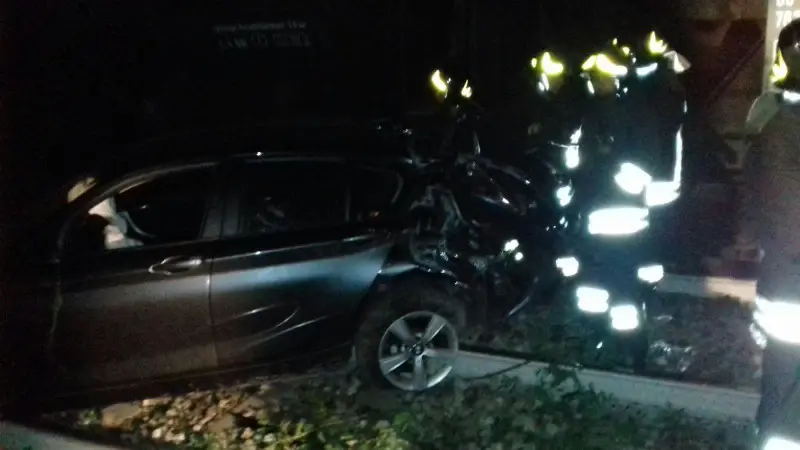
412	274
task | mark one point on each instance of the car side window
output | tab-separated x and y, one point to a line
373	193
291	195
166	209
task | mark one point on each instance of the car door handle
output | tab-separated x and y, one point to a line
176	264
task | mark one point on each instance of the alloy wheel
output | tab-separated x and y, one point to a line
418	351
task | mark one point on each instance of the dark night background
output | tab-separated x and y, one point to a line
86	77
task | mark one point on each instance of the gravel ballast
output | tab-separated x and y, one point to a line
335	412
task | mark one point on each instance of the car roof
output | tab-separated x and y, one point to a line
379	140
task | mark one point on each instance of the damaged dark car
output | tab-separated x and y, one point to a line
259	248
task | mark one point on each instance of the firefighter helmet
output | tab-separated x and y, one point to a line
786	70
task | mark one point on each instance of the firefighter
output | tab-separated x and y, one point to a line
553	128
623	162
771	219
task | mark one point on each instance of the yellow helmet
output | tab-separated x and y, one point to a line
787	56
549	72
443	84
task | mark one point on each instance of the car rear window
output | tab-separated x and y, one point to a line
291	195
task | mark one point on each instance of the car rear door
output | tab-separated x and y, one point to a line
292	268
141	311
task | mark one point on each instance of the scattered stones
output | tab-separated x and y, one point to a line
227	402
175	438
200	425
221	424
497	413
151	402
250	406
115	416
158	433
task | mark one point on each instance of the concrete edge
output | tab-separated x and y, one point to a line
743	290
705	401
15	436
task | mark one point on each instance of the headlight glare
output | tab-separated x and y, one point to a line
632	179
618	221
778	319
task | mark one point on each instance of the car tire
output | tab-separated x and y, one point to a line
412	301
